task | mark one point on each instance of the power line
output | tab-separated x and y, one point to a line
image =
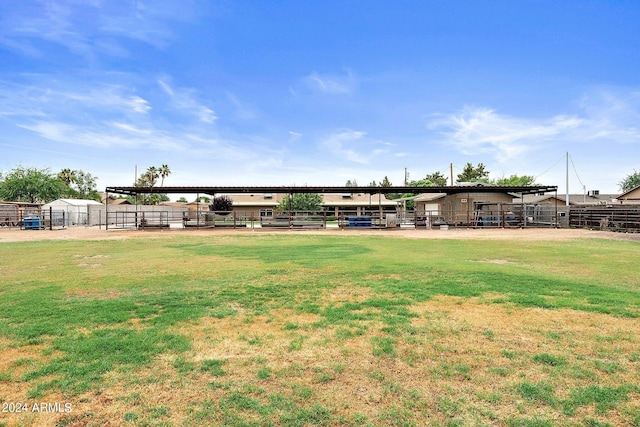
554	165
576	171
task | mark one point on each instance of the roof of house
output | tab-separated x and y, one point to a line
113	201
428	197
75	202
270	200
356	199
633	194
574	199
26	204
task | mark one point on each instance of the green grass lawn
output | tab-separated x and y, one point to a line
297	329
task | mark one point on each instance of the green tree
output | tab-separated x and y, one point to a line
630	182
516	181
435	179
385	182
67	176
204	199
473	174
182	200
31	185
164	172
301	202
351	183
84	186
149	178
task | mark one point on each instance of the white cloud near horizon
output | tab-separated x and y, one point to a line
603	117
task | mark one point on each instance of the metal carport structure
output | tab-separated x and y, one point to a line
214	190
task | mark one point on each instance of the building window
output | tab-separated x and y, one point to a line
266	213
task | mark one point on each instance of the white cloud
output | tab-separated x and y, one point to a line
603	115
90	28
185	100
330	84
483	131
294	136
354	146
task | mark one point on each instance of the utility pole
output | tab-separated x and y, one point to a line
451	172
406	177
567	178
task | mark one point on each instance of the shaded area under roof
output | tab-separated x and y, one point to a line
326	189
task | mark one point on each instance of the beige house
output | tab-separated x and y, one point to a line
265	205
357	204
630	197
592	198
428	203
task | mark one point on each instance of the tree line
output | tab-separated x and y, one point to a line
33	185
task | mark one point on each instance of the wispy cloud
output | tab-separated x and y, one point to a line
354	146
328	84
90	28
185	100
483	131
603	116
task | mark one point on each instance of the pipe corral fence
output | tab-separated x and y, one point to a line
612	218
489	216
32	218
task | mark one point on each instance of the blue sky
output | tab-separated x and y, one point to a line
321	92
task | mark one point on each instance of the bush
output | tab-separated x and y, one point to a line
221	204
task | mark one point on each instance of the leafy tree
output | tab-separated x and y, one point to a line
181	200
516	181
221	204
473	174
83	186
437	179
385	182
373	184
301	202
351	183
31	185
630	182
203	199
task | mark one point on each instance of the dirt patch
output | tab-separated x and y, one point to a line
95	233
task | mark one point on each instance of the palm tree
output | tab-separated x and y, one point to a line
164	172
67	176
152	175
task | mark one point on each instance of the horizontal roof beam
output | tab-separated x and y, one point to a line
327	189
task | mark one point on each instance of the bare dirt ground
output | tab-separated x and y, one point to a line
95	233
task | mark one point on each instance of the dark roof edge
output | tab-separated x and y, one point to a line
328	189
